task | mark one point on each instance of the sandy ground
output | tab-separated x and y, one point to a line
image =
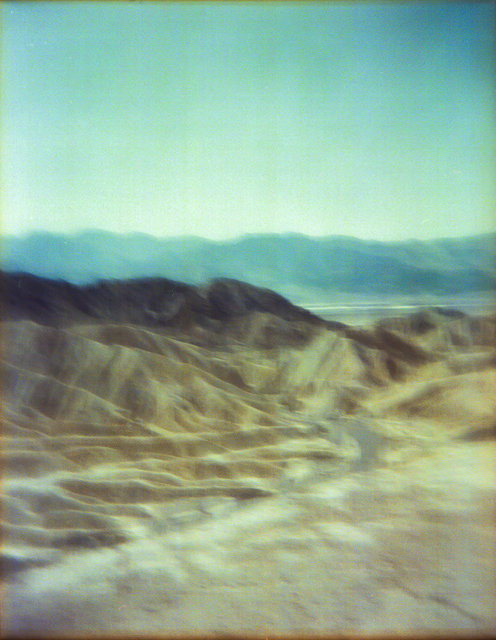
405	548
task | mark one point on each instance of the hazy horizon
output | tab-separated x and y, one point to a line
240	236
219	120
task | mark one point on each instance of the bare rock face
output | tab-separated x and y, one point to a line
147	301
227	298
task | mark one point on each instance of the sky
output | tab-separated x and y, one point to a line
217	119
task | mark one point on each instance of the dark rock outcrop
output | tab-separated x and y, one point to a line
153	302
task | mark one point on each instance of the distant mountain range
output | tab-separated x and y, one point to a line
292	264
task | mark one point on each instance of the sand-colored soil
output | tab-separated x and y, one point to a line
277	477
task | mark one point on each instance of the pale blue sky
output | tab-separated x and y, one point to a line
219	119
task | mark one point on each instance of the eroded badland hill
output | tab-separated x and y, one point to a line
214	458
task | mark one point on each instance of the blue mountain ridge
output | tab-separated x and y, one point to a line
282	262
